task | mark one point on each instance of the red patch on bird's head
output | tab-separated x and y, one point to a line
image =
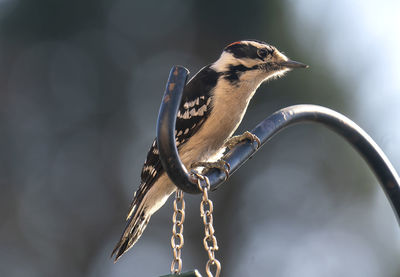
233	43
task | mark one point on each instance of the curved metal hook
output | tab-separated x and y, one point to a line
269	127
166	122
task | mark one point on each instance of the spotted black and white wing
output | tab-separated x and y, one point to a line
195	106
194	109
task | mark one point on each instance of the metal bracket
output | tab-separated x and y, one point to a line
357	137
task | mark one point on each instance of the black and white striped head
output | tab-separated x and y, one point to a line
253	60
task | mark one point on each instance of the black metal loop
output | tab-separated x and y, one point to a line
269	127
169	156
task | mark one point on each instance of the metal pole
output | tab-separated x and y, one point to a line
358	138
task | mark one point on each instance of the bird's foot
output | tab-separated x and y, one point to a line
220	164
233	141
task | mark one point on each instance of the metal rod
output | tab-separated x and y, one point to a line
169	156
269	127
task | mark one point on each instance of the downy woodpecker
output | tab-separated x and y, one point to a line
213	104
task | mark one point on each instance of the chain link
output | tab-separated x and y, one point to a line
177	232
209	241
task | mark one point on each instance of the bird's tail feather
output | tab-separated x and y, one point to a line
134	228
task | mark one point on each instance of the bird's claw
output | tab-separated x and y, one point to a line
233	141
220	164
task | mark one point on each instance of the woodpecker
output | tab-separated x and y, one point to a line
213	104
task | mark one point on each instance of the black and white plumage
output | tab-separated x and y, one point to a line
213	104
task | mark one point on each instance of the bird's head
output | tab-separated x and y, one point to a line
252	60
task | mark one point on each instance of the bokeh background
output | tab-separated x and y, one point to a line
80	87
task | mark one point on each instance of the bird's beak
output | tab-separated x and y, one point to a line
293	64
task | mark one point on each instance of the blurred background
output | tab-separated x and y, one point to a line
80	88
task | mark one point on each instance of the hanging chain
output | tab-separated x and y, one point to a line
209	241
177	232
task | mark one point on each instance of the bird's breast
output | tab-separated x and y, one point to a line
226	115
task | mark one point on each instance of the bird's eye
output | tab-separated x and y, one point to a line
262	53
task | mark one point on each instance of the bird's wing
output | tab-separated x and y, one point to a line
194	108
151	171
193	111
195	105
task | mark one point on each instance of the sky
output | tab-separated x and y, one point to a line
361	42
